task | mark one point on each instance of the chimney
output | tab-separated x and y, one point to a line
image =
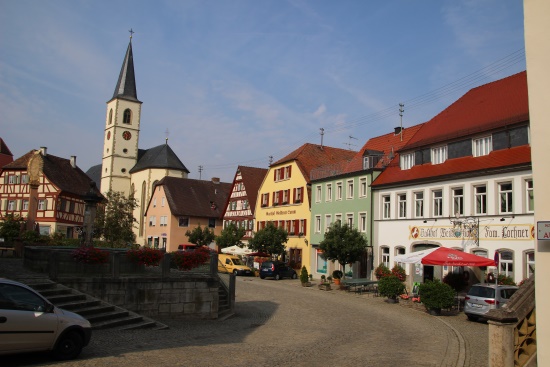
44	151
73	161
398	130
216	180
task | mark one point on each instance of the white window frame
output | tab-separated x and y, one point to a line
152	221
402	205
349	219
328	221
506	198
482	146
480	199
339	190
363	222
419	204
162	201
363	187
385	256
407	161
11	205
529	258
506	266
328	193
338	217
439	154
25	205
349	190
163	221
366	162
318	193
400	250
386	207
437	202
529	196
458	200
42	204
317	224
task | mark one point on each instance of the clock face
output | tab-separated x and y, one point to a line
126	135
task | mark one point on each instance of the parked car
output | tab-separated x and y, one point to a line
483	297
232	264
30	323
277	270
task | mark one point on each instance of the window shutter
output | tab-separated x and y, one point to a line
280	196
274	175
294	194
289	171
305	227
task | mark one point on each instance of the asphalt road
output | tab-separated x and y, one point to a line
281	323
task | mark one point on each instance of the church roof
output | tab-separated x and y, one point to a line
94	173
161	156
5	154
126	85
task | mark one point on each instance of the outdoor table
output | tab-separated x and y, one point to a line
358	282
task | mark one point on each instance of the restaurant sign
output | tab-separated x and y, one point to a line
516	232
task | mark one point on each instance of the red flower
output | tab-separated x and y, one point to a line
90	255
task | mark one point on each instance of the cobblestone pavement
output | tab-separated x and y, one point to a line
281	323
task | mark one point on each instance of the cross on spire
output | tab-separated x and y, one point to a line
131	33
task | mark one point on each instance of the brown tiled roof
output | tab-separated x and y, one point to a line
494	161
490	106
310	156
386	144
252	179
59	171
197	198
5	154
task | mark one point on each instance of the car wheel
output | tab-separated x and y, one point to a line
471	317
68	346
294	276
235	272
277	277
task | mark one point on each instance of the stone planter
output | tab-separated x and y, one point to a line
325	287
306	284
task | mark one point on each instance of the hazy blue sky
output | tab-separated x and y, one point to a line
237	81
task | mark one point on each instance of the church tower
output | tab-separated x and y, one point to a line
120	142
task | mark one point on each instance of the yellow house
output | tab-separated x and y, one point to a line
285	195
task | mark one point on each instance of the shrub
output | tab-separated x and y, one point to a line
382	271
90	255
304	277
456	281
187	260
504	280
399	272
337	274
437	295
390	286
145	256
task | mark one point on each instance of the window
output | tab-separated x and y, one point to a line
458	201
317	224
25	205
110	116
321	262
400	251
276	198
162	201
328	196
482	253
152	221
505	193
529	264
318	194
437	203
265	199
339	191
42	204
366	163
163	221
154	202
349	220
12	179
183	221
24	179
386	207
328	221
529	196
338	218
407	161
298	195
385	256
481	199
362	187
506	263
419	204
350	189
362	222
402	200
439	154
482	146
287	172
278	174
211	222
302	226
127	119
11	205
286	194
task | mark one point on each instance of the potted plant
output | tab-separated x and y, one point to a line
456	281
323	279
399	272
329	279
304	277
436	295
337	275
381	271
391	287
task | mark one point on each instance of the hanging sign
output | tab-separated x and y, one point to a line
543	230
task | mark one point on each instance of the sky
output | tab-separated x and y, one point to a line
235	82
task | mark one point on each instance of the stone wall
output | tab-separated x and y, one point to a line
195	296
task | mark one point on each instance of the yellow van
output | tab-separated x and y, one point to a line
232	264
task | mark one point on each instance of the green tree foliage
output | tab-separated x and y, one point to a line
304	276
343	243
201	236
436	295
390	286
270	240
10	228
231	235
115	220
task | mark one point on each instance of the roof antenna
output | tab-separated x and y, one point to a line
167	132
322	133
349	144
401	110
200	172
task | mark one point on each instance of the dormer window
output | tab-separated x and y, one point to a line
366	162
439	154
482	146
371	158
407	161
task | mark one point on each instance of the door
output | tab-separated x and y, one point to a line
428	273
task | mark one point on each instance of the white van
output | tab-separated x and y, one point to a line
232	264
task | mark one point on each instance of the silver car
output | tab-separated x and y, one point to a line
483	297
29	323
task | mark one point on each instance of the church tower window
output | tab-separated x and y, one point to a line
127	116
110	116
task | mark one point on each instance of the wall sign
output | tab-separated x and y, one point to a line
543	230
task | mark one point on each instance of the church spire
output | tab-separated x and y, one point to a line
126	85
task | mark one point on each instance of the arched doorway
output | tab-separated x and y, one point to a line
421	273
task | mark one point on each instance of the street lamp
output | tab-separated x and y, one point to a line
91	198
468	226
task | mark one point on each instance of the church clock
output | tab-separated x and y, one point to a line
126	135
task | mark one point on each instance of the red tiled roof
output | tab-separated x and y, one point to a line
5	154
310	156
384	143
252	180
498	159
493	105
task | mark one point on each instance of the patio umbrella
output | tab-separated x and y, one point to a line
236	250
444	256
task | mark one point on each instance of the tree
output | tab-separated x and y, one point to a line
343	244
115	221
201	236
270	240
10	228
231	235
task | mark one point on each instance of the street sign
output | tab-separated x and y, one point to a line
543	230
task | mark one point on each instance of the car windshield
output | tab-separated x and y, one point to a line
237	262
484	292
